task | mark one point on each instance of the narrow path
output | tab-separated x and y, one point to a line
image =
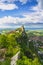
15	58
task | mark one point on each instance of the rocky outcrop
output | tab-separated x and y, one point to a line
15	58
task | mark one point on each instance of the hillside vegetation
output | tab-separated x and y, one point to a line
19	40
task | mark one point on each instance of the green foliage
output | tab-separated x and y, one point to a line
26	61
9	52
6	62
12	40
31	46
36	62
3	41
23	61
9	42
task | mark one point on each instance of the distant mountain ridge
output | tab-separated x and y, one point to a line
12	24
28	26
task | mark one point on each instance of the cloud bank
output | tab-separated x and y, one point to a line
28	18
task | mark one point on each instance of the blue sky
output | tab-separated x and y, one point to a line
20	12
21	8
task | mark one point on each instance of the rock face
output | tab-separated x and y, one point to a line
15	58
23	29
2	53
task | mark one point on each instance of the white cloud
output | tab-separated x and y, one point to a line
10	1
8	19
28	18
37	16
10	5
23	1
4	6
38	7
33	17
40	4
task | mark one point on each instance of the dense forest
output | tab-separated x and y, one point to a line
27	43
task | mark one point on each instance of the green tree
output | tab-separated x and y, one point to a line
24	61
12	40
36	62
3	41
